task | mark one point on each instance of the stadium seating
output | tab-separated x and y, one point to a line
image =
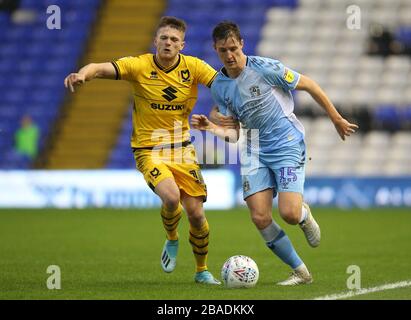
201	18
375	153
33	63
320	45
93	116
311	36
121	156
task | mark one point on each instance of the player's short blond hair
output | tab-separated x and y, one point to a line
173	22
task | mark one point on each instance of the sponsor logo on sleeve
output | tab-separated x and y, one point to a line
288	76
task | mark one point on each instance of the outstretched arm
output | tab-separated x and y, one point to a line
201	122
89	72
344	128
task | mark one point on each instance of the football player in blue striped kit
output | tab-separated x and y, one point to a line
256	91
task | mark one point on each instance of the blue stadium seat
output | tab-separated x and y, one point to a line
58	64
14	96
52	82
30	4
64	49
405	115
8	126
250	31
4	81
403	35
45	96
17	33
84	5
212	59
13	160
178	3
9	50
73	35
6	68
41	34
283	3
37	49
29	66
4	20
23	81
388	117
5	144
121	157
74	16
29	50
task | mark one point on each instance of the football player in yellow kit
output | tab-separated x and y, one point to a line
165	91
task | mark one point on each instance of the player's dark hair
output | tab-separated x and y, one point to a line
173	22
226	29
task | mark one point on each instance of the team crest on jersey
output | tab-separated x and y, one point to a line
288	76
255	91
185	75
155	172
228	102
153	75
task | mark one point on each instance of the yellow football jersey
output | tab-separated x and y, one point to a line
163	98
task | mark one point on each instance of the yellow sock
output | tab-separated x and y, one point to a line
199	242
170	221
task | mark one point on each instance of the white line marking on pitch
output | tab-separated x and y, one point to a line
353	293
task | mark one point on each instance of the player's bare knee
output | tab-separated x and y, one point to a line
291	214
261	219
196	217
171	201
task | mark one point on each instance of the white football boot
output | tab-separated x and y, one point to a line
300	275
311	228
169	255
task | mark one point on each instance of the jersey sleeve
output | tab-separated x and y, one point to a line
205	74
222	107
127	68
277	74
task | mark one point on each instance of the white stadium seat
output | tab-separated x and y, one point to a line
380	139
402	140
313	39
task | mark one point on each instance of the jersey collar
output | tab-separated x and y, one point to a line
169	69
224	71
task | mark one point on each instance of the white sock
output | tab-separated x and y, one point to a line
302	268
304	214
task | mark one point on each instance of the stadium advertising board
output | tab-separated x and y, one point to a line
353	192
98	188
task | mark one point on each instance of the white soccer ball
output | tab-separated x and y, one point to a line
239	272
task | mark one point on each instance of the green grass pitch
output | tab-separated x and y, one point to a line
115	254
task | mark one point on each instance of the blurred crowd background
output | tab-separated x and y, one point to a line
365	70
